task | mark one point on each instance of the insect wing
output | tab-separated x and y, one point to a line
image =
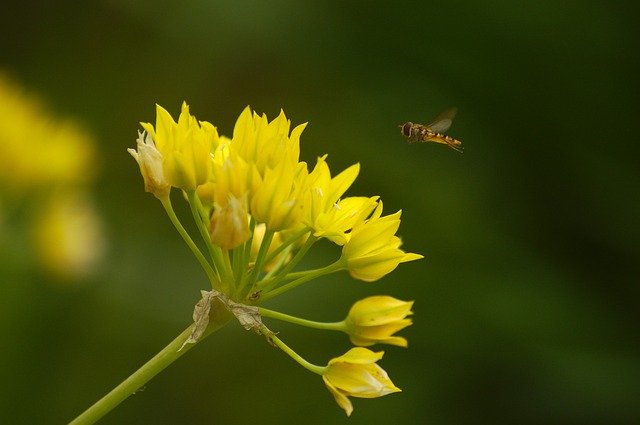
443	121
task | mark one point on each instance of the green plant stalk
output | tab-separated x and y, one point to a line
295	356
246	286
139	378
332	326
267	284
309	275
214	252
211	273
286	243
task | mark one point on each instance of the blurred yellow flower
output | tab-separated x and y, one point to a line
356	374
38	150
373	249
375	319
48	162
69	236
185	147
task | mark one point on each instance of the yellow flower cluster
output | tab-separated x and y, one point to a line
259	209
257	175
46	166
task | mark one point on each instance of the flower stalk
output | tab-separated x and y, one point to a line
172	352
331	326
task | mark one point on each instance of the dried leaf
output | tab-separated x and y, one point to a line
200	316
248	316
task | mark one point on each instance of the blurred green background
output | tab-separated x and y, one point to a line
527	302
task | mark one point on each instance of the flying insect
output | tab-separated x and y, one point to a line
433	132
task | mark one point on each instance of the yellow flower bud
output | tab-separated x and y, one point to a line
229	226
375	320
149	159
373	250
356	374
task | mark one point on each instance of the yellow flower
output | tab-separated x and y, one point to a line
278	199
324	213
373	250
229	225
233	177
185	146
356	374
265	143
336	223
375	320
230	189
149	159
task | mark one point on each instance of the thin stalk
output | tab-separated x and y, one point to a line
139	378
332	326
262	254
287	242
282	274
214	279
214	252
295	356
311	274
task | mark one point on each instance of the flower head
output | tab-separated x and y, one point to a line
375	320
356	374
373	249
259	210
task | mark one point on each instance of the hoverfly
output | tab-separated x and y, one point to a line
433	132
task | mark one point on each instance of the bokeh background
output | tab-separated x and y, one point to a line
527	302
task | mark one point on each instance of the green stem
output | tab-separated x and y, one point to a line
332	326
295	356
214	252
211	273
257	268
244	254
286	243
164	358
311	274
268	284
